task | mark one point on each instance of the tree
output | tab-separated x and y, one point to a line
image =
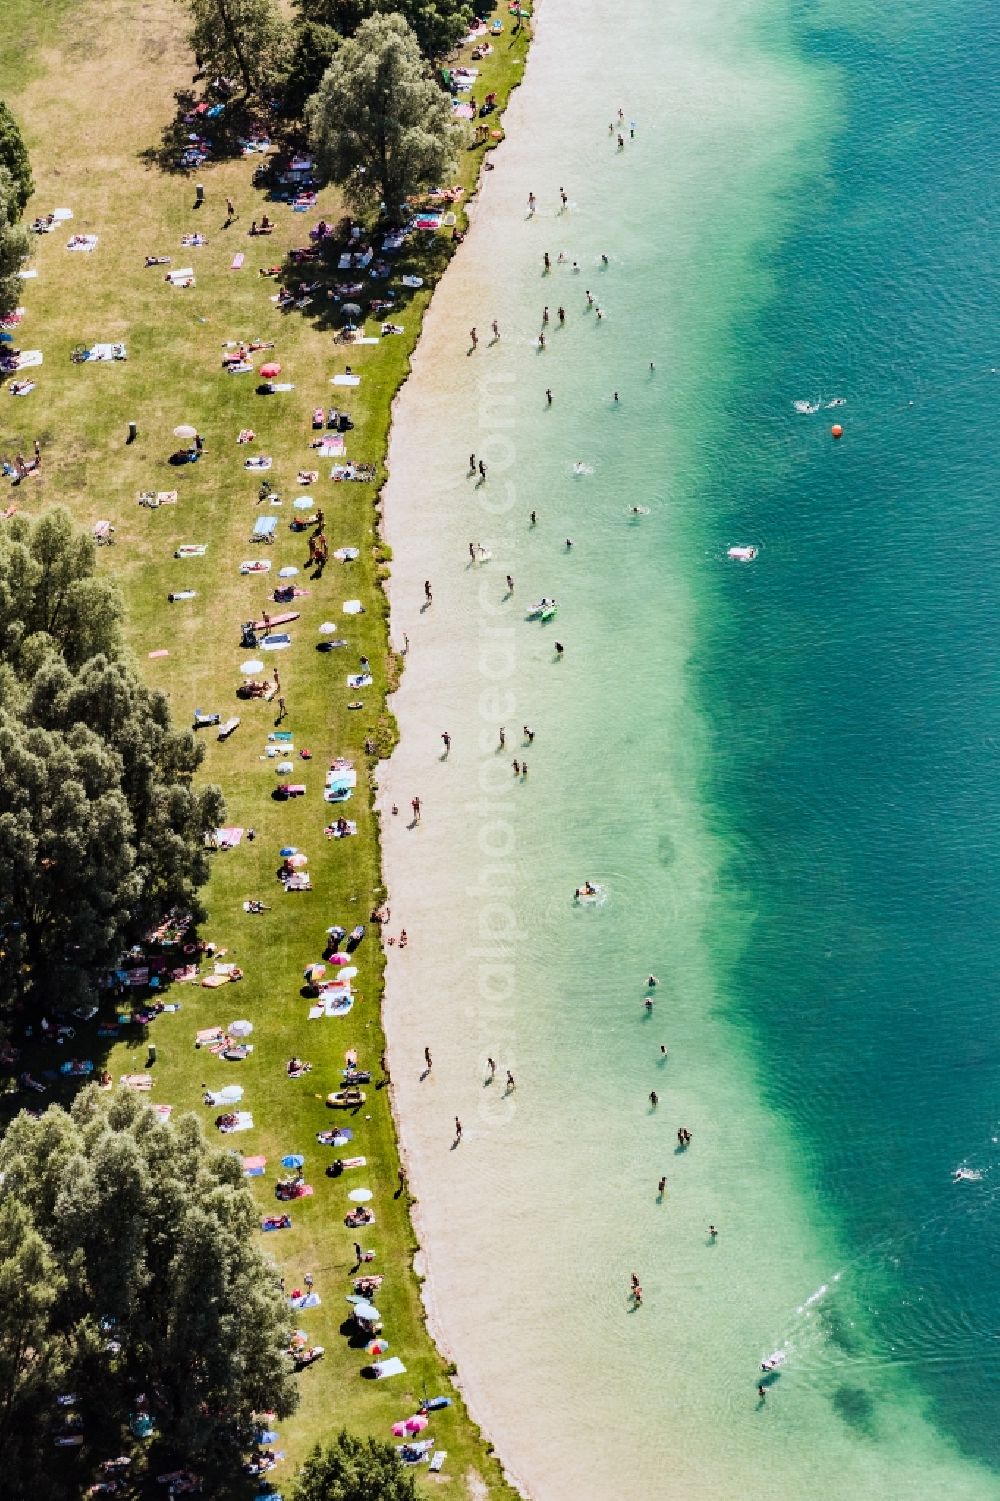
128	1265
102	830
15	241
355	1469
378	124
246	38
438	24
14	157
313	47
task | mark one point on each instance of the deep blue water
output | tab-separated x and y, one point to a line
853	689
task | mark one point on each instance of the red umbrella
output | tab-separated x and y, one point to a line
271	368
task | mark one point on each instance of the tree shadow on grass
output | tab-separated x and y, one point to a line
208	129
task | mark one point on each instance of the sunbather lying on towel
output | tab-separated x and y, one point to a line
305	1357
358	1217
157	260
276	1222
295	1068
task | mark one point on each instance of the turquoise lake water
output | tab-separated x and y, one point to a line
862	805
784	775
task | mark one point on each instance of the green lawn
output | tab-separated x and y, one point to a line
92	83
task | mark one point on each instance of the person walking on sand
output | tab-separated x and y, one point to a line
634	1280
654	1098
517	768
503	737
474	337
662	1186
496	332
472	551
231	213
545	316
548	396
712	1233
528	733
427	1059
428	596
458	1129
510	584
491	1065
482	470
533	519
524	768
510	1081
561	315
762	1393
531	203
359	1255
446	741
282	710
472	463
415	805
546	262
562	197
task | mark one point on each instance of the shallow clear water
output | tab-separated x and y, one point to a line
782	774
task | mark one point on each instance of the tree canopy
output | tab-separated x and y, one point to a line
437	24
354	1469
128	1266
379	125
101	828
14	157
244	39
15	243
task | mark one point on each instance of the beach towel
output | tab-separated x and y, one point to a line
277	642
264	528
391	1367
331	1006
28	275
461	112
353	607
437	1462
107	352
142	1083
230	1095
208	1034
163	1111
331	446
82	242
255	565
212	982
192	550
305	1300
162	652
260	462
347	554
244	1122
229	837
185	273
342	778
253	1167
29	358
412	281
359	680
346	380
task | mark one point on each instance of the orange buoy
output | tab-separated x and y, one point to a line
836	430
